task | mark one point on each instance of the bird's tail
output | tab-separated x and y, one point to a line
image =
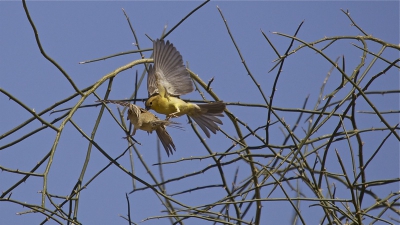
212	107
165	139
207	118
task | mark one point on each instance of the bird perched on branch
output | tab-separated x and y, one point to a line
169	79
147	121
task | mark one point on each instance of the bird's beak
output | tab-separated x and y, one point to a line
147	107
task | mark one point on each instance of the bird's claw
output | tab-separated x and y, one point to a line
172	115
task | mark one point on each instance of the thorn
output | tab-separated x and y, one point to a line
209	83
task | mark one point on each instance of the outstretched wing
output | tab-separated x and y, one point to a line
131	107
168	71
151	81
121	103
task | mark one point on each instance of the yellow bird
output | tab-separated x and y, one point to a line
169	79
147	121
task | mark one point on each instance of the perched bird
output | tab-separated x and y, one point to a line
147	121
169	79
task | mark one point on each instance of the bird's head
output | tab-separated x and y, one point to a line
150	101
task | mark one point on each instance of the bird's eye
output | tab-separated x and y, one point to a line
151	103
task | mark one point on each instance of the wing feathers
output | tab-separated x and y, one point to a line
168	65
151	81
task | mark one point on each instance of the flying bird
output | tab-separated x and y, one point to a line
167	80
147	121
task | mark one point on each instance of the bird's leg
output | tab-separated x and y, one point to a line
173	115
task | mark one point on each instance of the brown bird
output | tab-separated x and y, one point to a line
147	121
169	79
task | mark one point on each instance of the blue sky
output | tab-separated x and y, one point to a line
72	32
